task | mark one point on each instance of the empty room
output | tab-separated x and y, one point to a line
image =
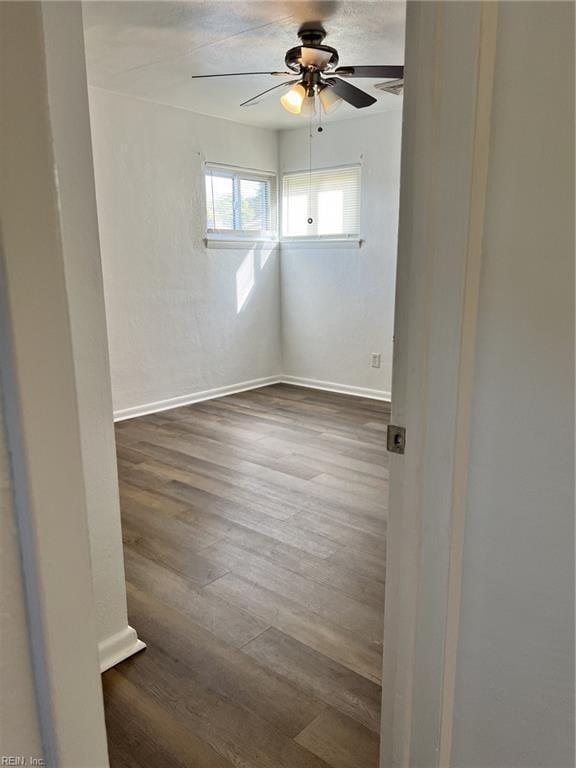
248	232
287	384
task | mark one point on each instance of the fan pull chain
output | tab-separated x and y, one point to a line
310	219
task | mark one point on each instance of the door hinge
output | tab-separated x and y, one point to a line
396	439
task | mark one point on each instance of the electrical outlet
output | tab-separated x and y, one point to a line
375	359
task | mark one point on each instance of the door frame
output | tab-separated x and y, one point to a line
39	389
445	150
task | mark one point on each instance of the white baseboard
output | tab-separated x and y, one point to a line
120	646
331	386
244	386
196	397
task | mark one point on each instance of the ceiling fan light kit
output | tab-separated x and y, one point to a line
319	75
308	106
292	101
319	56
329	99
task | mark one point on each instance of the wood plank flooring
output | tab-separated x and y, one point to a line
254	538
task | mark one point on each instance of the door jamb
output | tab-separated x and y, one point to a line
478	192
40	403
423	589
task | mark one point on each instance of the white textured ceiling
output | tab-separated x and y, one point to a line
150	50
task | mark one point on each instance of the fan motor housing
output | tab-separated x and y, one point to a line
312	33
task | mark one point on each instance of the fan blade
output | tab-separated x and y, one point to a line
350	93
395	87
241	74
254	99
393	72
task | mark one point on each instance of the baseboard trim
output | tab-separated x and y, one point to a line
245	386
118	647
196	397
345	389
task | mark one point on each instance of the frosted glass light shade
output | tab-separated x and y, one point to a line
313	57
308	106
329	100
292	101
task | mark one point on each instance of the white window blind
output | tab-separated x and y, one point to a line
330	198
240	202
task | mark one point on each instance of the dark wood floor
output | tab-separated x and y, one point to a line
254	531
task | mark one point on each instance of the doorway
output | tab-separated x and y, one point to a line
249	284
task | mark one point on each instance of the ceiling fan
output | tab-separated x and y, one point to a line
318	74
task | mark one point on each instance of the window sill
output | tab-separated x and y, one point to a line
322	244
220	242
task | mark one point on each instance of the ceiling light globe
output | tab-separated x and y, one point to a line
329	100
308	107
292	101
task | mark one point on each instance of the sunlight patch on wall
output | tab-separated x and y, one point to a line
264	255
244	281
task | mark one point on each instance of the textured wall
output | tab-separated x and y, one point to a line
338	303
181	318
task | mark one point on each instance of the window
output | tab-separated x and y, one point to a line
240	203
322	204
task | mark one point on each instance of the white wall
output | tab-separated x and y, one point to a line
338	304
176	321
514	690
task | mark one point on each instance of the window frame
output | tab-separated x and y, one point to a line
322	241
237	235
